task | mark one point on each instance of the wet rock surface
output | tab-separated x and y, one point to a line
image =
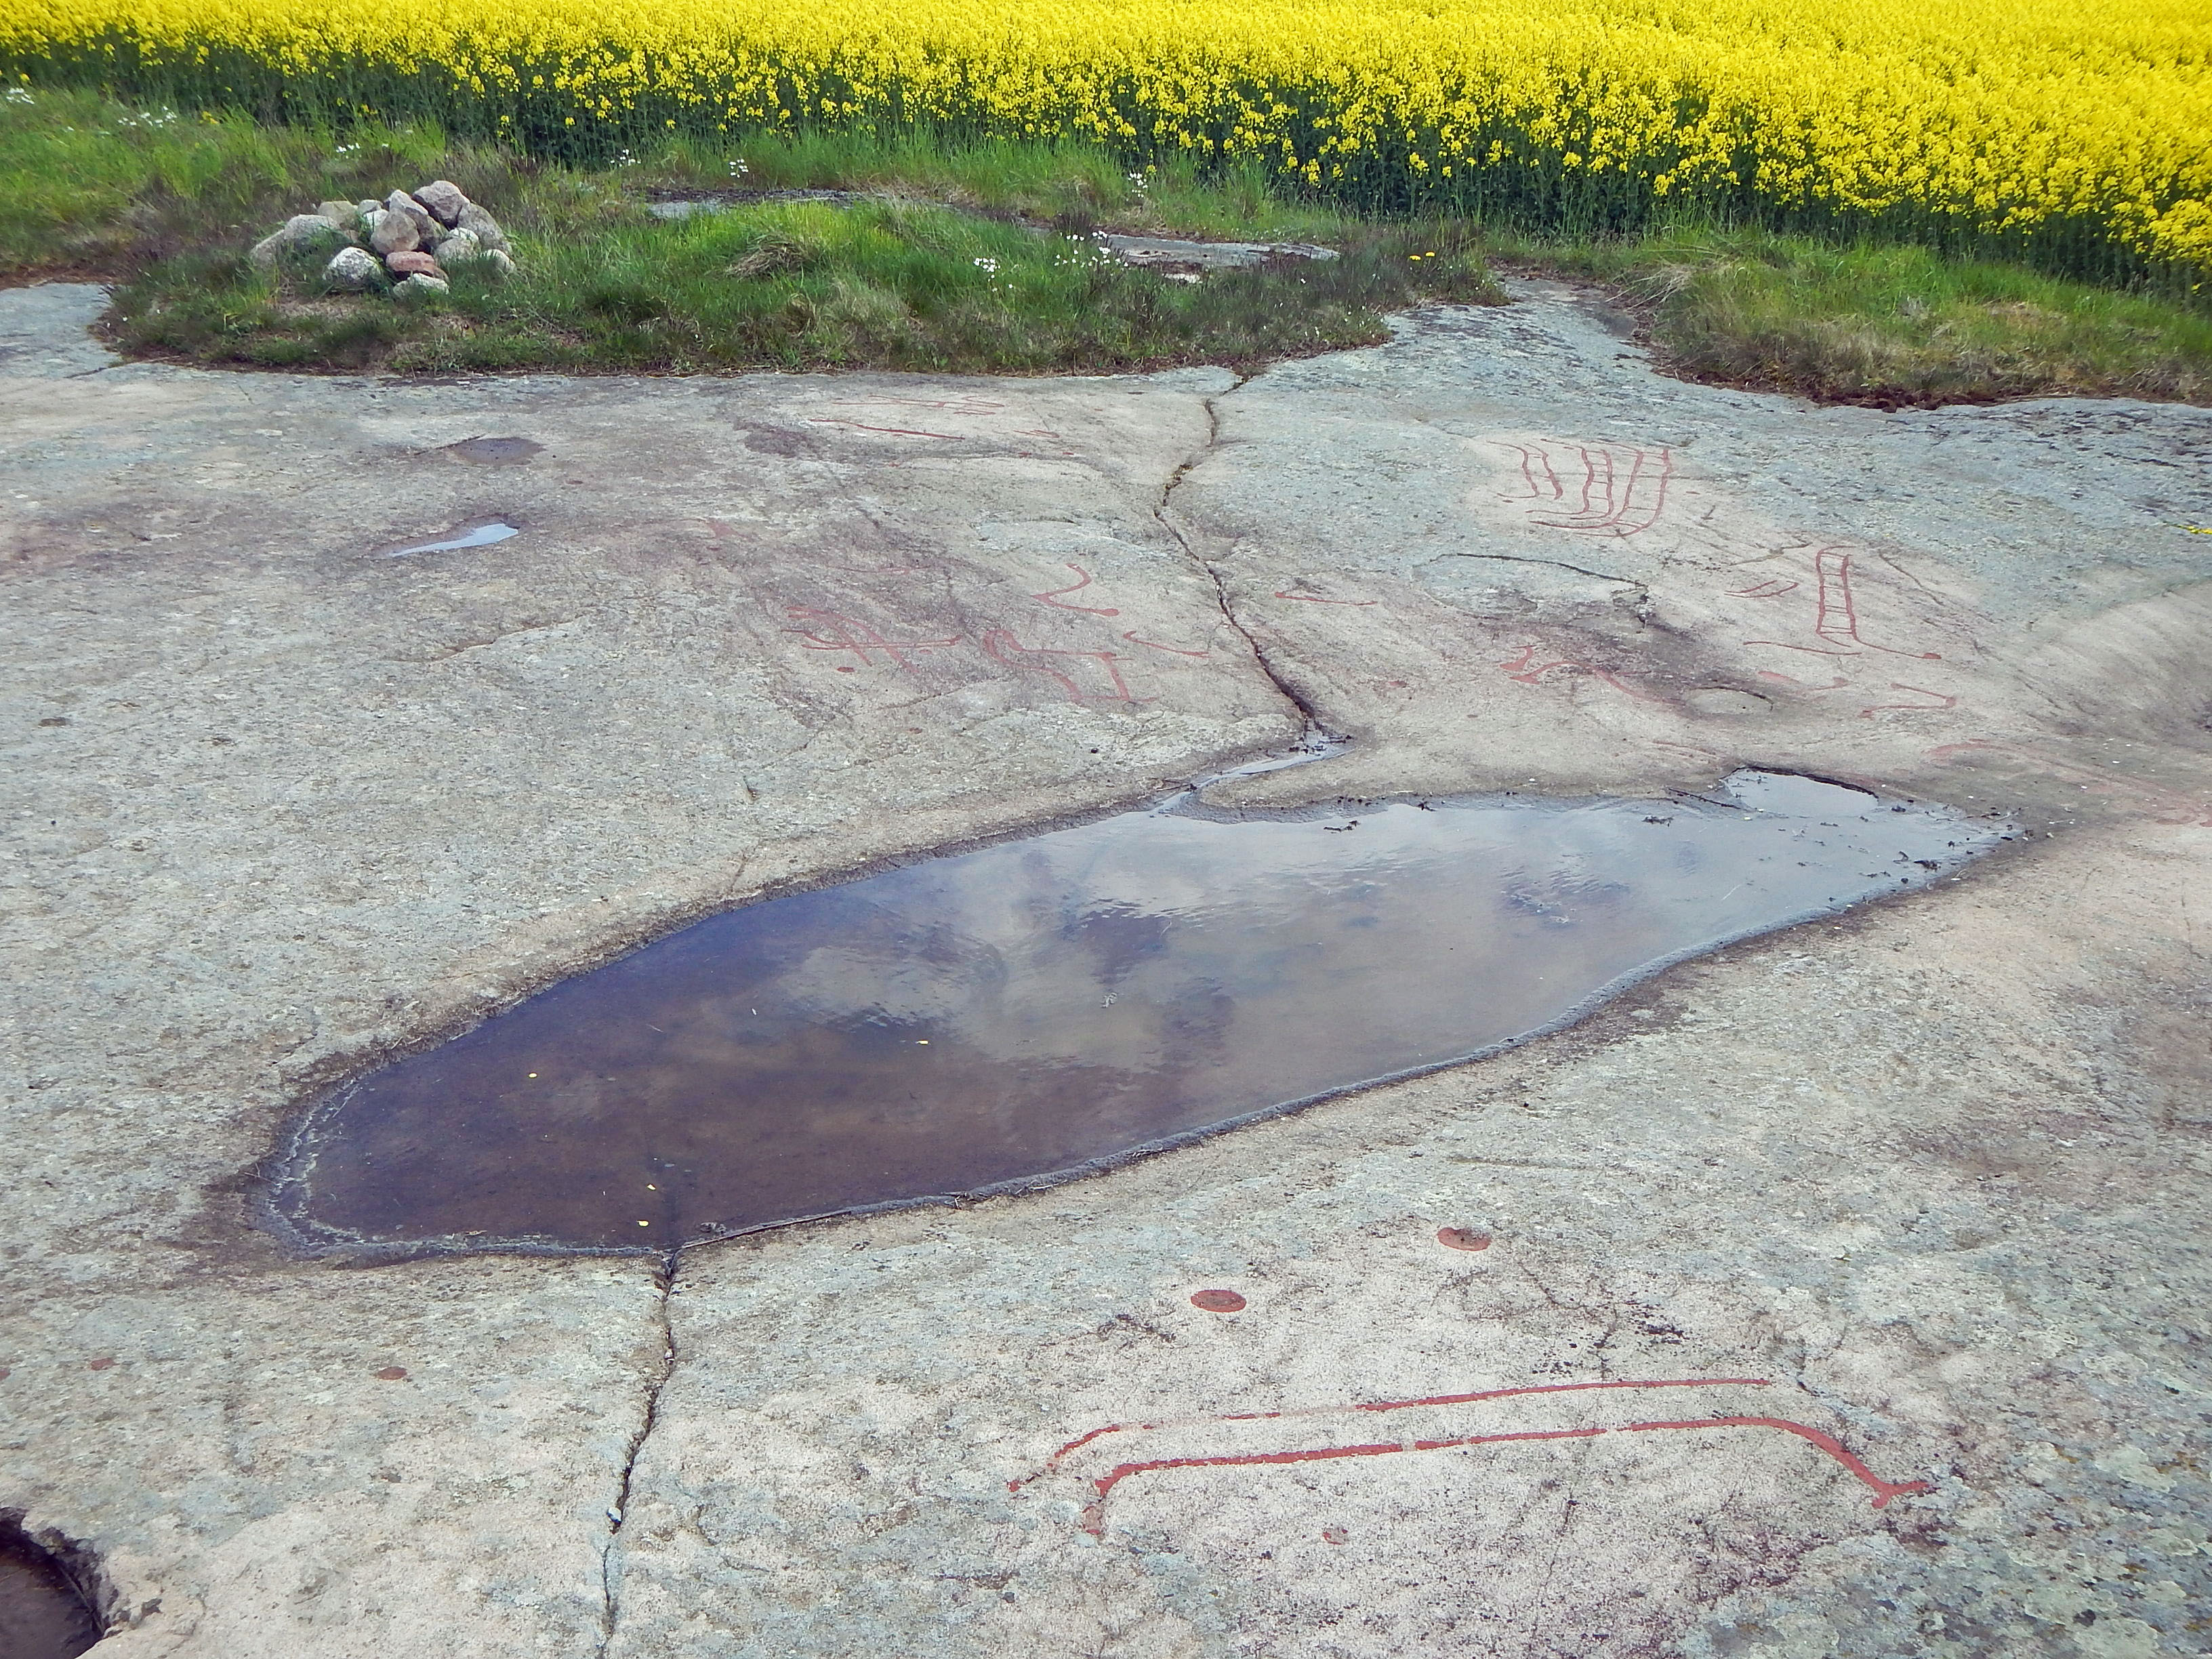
1920	1187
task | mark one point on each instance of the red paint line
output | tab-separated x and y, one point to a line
1094	1517
841	633
1476	1397
1940	703
1083	582
1836	684
897	431
1174	650
1818	651
1001	646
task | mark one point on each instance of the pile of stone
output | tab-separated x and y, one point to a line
405	243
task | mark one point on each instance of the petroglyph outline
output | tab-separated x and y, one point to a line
1093	1519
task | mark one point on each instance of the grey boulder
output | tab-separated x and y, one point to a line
303	233
461	245
344	215
354	270
421	286
483	227
400	202
392	232
444	200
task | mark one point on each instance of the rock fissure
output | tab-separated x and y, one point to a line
1555	564
1289	692
618	1511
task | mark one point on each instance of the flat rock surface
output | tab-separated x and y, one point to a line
1903	1206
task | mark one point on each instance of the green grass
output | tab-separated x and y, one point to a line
880	284
1888	325
961	259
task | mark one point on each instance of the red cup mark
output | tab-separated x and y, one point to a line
1217	1301
1333	1535
1462	1238
392	1374
103	1362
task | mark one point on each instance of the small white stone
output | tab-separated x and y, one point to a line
420	287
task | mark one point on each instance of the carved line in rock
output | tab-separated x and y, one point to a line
1093	1518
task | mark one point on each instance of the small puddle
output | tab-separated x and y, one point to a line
494	452
483	535
42	1615
1048	1006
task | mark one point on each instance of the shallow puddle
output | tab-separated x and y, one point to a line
1042	1006
41	1615
495	452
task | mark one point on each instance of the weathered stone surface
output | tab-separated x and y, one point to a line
412	263
443	201
344	215
1932	1176
460	246
420	285
353	270
480	225
499	261
303	233
400	202
391	233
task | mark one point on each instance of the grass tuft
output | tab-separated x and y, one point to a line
972	257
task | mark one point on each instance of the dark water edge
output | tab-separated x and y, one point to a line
43	1615
1005	1019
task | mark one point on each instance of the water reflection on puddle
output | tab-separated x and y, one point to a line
1038	1006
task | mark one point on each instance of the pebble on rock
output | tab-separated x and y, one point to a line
444	200
422	286
352	270
301	232
412	265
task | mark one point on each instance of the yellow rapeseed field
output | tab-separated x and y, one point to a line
2085	126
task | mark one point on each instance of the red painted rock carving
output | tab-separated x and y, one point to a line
1940	703
1172	650
1462	1238
1094	1517
1835	614
831	630
1000	646
1082	580
894	431
1218	1302
1527	671
1607	492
